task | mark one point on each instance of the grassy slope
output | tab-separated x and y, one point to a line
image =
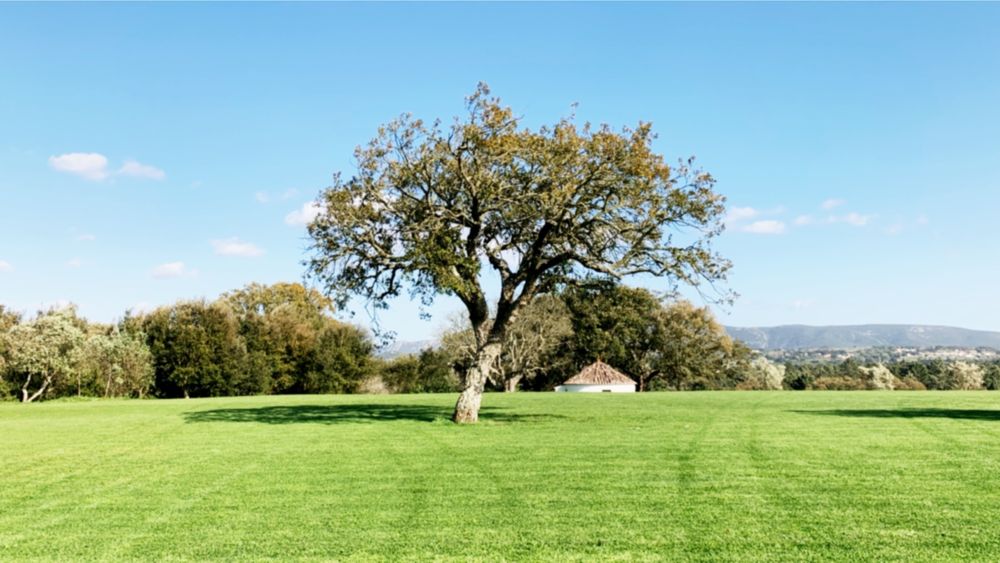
748	476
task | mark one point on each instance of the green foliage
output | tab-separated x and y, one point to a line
838	383
428	372
991	376
294	345
197	350
531	344
118	364
429	206
42	353
663	346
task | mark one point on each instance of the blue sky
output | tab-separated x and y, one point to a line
150	152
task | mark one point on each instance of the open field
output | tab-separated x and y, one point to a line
725	475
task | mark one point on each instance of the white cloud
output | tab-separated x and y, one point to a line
737	214
94	166
74	263
922	220
89	165
894	229
86	237
5	266
137	169
766	227
856	219
172	270
853	218
304	215
266	197
803	220
833	203
233	246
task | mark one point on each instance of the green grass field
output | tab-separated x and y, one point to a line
706	476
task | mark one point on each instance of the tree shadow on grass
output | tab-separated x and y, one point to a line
962	414
360	413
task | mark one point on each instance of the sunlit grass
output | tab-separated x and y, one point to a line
710	476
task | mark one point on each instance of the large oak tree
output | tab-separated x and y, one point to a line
429	207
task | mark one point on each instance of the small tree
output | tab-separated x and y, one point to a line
120	363
878	377
430	207
763	374
44	351
964	375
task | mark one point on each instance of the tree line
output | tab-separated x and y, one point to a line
284	339
260	339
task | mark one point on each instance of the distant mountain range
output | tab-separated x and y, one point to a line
800	337
792	337
403	347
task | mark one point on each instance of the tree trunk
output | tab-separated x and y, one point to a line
510	385
24	390
467	407
45	385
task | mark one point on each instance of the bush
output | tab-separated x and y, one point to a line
763	375
430	372
964	376
878	377
991	378
838	383
908	384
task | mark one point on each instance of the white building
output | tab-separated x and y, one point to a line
598	377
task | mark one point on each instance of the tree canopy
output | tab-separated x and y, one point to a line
430	206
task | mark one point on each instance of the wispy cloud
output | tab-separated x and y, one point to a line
93	166
737	214
5	266
74	263
89	165
267	197
765	227
803	220
86	237
137	169
853	218
233	246
833	203
304	215
172	270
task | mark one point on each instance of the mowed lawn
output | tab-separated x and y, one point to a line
684	476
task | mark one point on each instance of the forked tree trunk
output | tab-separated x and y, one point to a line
510	385
467	407
25	398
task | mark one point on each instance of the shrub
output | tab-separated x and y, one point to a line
761	374
908	384
878	377
838	383
963	375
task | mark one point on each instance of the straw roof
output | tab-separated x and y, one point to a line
599	373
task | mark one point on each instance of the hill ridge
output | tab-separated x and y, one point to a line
799	336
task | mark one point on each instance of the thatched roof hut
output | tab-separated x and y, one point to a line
598	377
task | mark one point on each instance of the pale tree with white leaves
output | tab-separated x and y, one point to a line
878	377
965	376
763	375
43	351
